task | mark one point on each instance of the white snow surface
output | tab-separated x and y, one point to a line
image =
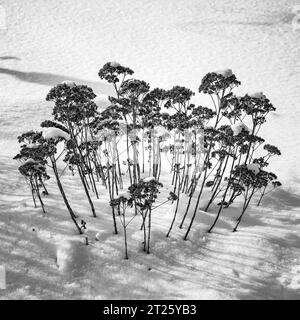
47	42
101	101
48	260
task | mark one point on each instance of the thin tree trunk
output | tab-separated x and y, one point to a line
38	194
32	192
149	230
64	196
262	195
217	186
224	197
125	234
176	210
45	189
243	212
86	191
196	208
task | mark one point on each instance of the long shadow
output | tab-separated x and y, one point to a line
50	79
289	241
9	58
267	289
281	199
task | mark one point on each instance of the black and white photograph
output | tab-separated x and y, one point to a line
150	150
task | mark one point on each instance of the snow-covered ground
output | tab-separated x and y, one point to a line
44	257
166	43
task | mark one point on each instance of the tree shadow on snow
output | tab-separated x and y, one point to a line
281	199
49	79
228	217
267	289
291	240
9	58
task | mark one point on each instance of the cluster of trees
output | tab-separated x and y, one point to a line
125	147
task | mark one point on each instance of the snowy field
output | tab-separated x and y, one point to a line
167	43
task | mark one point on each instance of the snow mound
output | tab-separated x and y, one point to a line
254	167
124	194
30	161
291	279
295	278
67	252
114	64
69	83
98	236
32	145
54	133
257	95
101	100
63	256
160	131
237	128
225	72
149	179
